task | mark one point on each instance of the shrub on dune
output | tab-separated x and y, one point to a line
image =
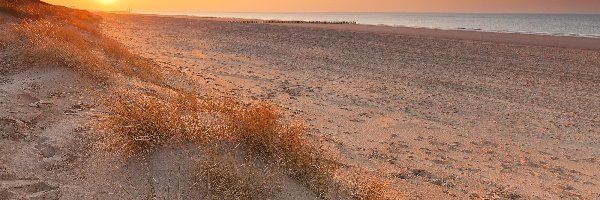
138	123
36	10
224	175
59	45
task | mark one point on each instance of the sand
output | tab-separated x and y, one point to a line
52	145
446	114
449	114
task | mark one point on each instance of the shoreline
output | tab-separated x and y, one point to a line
586	43
519	38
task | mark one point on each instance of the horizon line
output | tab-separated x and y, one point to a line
408	12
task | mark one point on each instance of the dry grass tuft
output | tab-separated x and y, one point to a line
59	45
36	10
138	122
64	37
20	9
374	188
224	176
261	128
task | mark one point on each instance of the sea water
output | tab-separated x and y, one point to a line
579	25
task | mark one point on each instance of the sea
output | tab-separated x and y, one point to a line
577	25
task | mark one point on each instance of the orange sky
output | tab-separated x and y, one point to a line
504	6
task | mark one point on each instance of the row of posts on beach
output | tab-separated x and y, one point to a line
291	22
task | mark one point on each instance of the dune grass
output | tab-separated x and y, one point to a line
36	10
141	117
139	122
225	175
55	44
63	37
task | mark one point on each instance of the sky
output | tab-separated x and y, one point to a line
452	6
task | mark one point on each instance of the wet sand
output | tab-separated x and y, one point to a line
449	114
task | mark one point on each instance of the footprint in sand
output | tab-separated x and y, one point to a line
27	189
46	150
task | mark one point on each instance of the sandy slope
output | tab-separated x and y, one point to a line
448	117
43	127
50	144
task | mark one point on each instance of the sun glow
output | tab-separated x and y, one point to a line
477	6
106	1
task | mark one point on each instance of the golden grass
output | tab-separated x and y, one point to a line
138	123
369	187
35	10
20	9
63	45
64	37
59	45
261	128
224	176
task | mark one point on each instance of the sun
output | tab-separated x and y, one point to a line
106	1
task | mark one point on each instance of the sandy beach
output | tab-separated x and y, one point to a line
127	106
449	114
